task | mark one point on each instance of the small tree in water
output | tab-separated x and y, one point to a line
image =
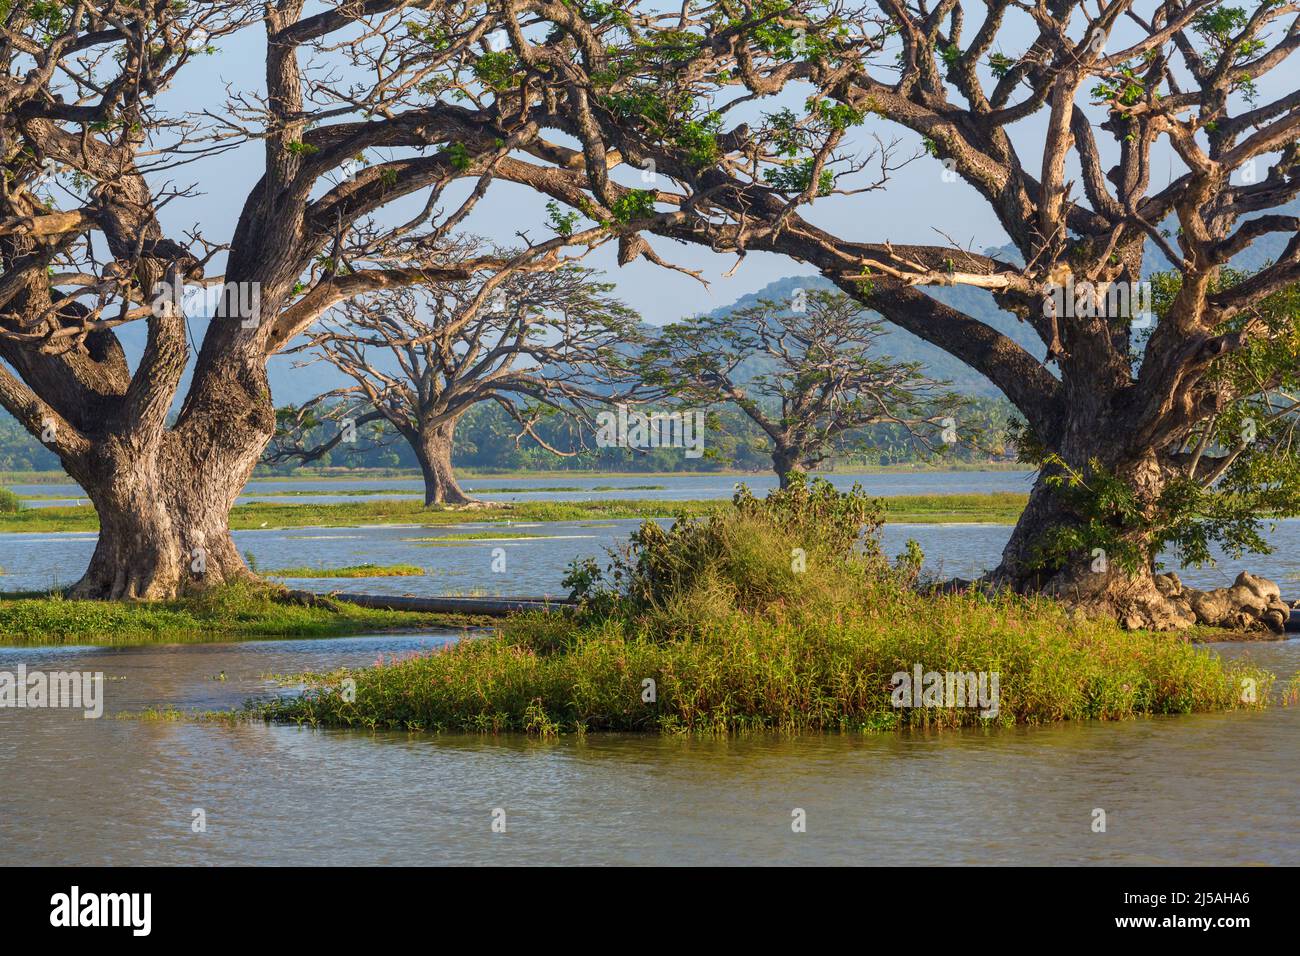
805	372
536	343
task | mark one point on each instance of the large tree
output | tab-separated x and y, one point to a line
360	106
535	343
809	373
1058	116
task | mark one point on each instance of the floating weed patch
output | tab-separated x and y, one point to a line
469	537
176	715
352	571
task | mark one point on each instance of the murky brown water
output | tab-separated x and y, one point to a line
1212	789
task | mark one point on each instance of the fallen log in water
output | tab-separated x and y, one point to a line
485	606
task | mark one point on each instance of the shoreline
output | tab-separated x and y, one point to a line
994	508
398	474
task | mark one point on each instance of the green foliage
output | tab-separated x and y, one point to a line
564	223
795	177
1224	30
673	119
1110	516
836	116
749	556
1248	467
1127	89
633	205
458	156
433	34
1000	65
497	70
51	16
9	502
222	613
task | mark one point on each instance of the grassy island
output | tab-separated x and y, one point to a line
774	615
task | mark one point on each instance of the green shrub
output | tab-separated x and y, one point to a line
10	503
755	554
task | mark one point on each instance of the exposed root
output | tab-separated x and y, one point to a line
1151	602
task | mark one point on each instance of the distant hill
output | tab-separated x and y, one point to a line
903	345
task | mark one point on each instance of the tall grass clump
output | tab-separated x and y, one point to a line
805	543
780	614
10	503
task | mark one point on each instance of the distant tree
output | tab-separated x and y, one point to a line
809	377
535	343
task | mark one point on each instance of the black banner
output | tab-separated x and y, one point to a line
136	906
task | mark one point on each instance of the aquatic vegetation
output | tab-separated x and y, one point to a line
229	612
471	536
351	571
1001	507
773	616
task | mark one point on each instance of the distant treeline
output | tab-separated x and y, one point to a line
485	441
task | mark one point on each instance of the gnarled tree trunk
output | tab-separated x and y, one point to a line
784	462
164	499
433	450
1091	580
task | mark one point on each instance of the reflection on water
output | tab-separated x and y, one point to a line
1212	789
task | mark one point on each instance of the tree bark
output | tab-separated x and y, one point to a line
1091	581
433	450
784	461
164	497
164	526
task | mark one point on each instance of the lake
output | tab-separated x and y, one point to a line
1205	789
537	555
584	487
